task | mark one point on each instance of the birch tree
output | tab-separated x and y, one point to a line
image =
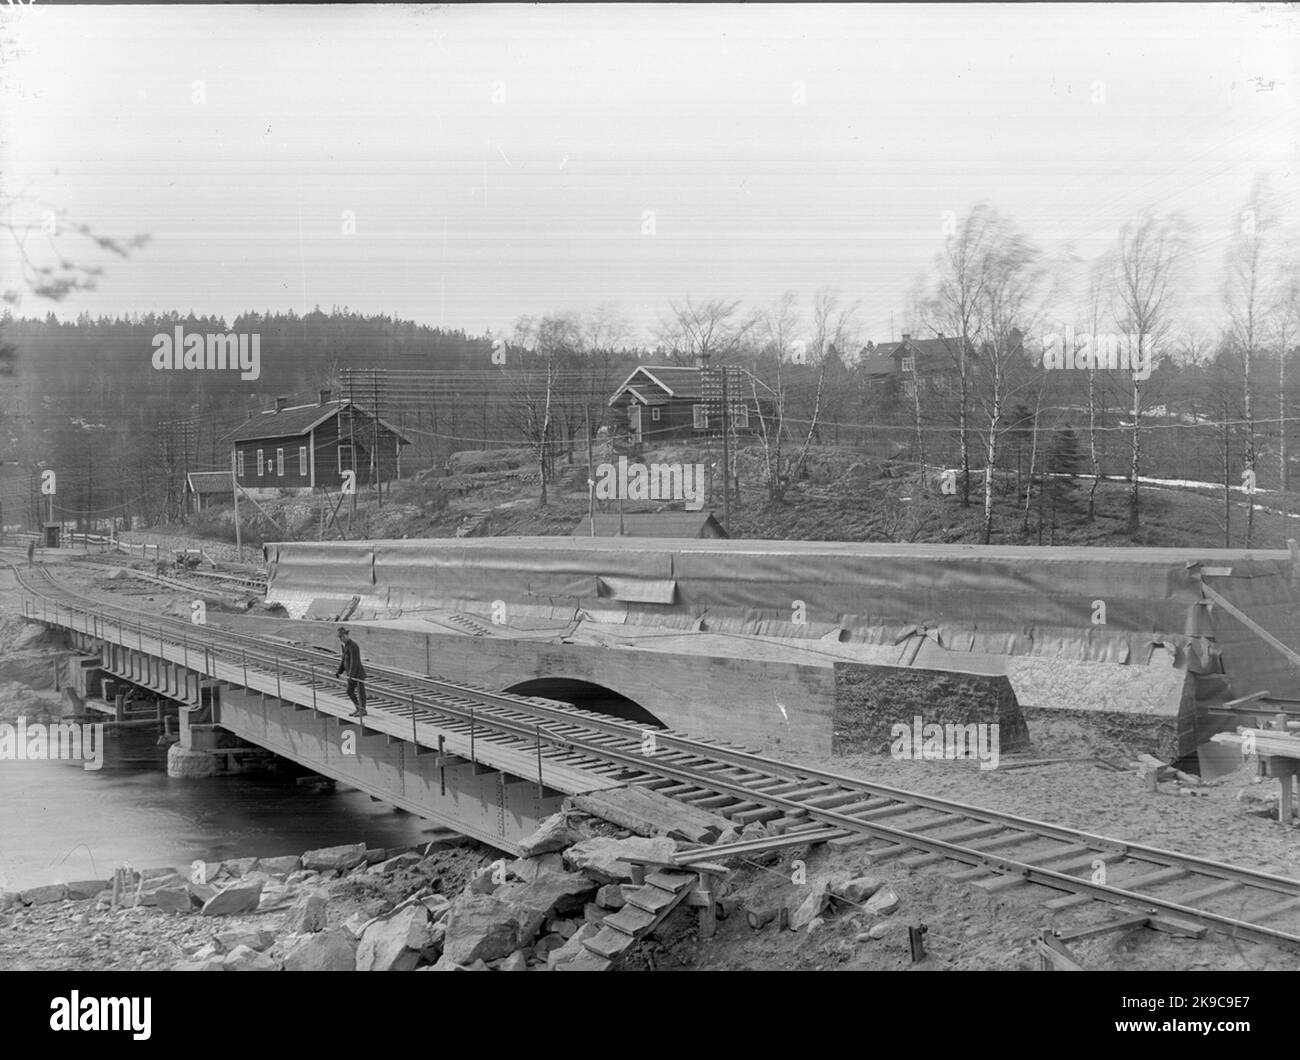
1143	271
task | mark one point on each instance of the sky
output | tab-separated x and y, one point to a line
500	160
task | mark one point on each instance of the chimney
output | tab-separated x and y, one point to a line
907	336
324	397
281	403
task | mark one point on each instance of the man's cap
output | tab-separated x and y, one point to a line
342	630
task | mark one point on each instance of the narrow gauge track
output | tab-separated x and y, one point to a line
999	850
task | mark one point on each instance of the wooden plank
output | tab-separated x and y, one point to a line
1104	929
1056	956
651	813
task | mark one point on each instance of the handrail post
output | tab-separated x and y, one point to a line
313	686
277	676
541	787
415	739
243	651
473	757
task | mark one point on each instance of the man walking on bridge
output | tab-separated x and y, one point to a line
356	673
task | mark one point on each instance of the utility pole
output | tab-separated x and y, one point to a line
726	455
591	481
234	484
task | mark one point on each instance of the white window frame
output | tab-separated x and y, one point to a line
700	417
654	415
279	463
302	461
740	416
261	464
909	364
352	453
239	463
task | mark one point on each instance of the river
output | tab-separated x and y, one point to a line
59	821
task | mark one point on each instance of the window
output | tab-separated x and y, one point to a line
701	414
909	364
302	461
261	464
740	416
347	460
279	462
654	415
239	464
909	389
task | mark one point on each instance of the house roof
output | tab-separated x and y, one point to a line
931	354
210	482
647	399
652	524
296	421
672	380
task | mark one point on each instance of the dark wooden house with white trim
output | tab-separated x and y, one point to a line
305	447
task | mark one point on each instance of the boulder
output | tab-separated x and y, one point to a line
553	834
245	959
594	914
445	965
526	869
307	914
374	856
254	940
548	892
394	944
396	864
812	906
753	830
760	915
878	931
564	928
859	889
54	892
482	882
173	900
728	835
237	898
238	867
573	949
80	890
280	866
209	964
157	874
611	896
10	900
334	950
437	904
484	926
599	857
516	962
882	903
546	943
357	923
201	892
335	859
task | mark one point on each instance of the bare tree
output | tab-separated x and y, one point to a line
834	331
952	312
533	383
704	331
1009	305
1248	295
1143	269
777	327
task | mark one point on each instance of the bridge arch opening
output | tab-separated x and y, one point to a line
589	696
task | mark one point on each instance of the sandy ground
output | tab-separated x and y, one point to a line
965	928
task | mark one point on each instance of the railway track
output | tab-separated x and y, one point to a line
799	804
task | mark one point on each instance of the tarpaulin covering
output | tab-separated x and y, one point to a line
1120	606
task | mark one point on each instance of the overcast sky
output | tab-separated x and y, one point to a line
502	160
